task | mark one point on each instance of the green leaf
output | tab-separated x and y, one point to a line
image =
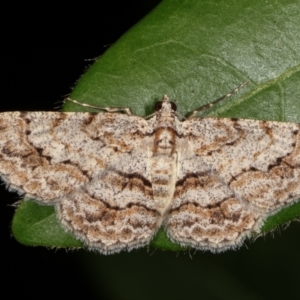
194	51
37	225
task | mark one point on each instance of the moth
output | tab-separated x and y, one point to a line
115	179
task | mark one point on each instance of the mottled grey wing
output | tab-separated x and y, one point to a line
243	171
92	166
259	160
205	212
113	212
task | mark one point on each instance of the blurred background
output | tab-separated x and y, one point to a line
44	51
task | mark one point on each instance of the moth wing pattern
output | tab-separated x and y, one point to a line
86	164
241	171
205	213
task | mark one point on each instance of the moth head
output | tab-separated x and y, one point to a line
165	103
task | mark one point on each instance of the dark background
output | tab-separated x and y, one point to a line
43	52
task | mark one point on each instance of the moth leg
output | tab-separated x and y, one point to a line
206	106
106	109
